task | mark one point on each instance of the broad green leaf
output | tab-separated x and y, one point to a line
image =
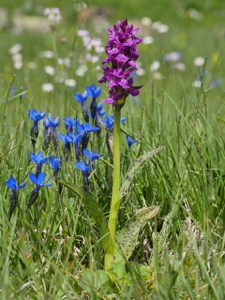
93	207
92	281
126	238
135	168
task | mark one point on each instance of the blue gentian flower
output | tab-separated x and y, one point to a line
11	184
55	164
215	83
53	123
36	117
76	138
123	120
108	121
67	139
39	160
100	110
85	129
46	124
94	93
130	141
69	124
92	156
82	166
39	181
82	98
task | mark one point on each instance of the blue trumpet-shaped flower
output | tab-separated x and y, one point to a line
39	160
130	141
71	124
47	140
55	164
53	123
39	181
100	110
36	117
67	139
11	184
82	98
82	166
85	129
76	138
91	156
94	93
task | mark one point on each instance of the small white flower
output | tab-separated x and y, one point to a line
156	25
53	14
140	72
70	82
82	32
81	71
50	70
92	58
47	87
146	21
147	40
172	56
199	61
197	84
18	65
179	66
155	66
163	28
15	49
99	49
47	54
17	57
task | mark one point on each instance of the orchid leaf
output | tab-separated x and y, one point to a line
126	238
135	168
93	280
94	209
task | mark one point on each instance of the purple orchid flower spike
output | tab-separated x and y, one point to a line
122	54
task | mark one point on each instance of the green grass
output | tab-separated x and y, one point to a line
54	251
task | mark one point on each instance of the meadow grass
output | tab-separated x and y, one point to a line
54	250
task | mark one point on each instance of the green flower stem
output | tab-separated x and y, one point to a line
115	202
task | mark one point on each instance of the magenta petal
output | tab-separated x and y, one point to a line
108	101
